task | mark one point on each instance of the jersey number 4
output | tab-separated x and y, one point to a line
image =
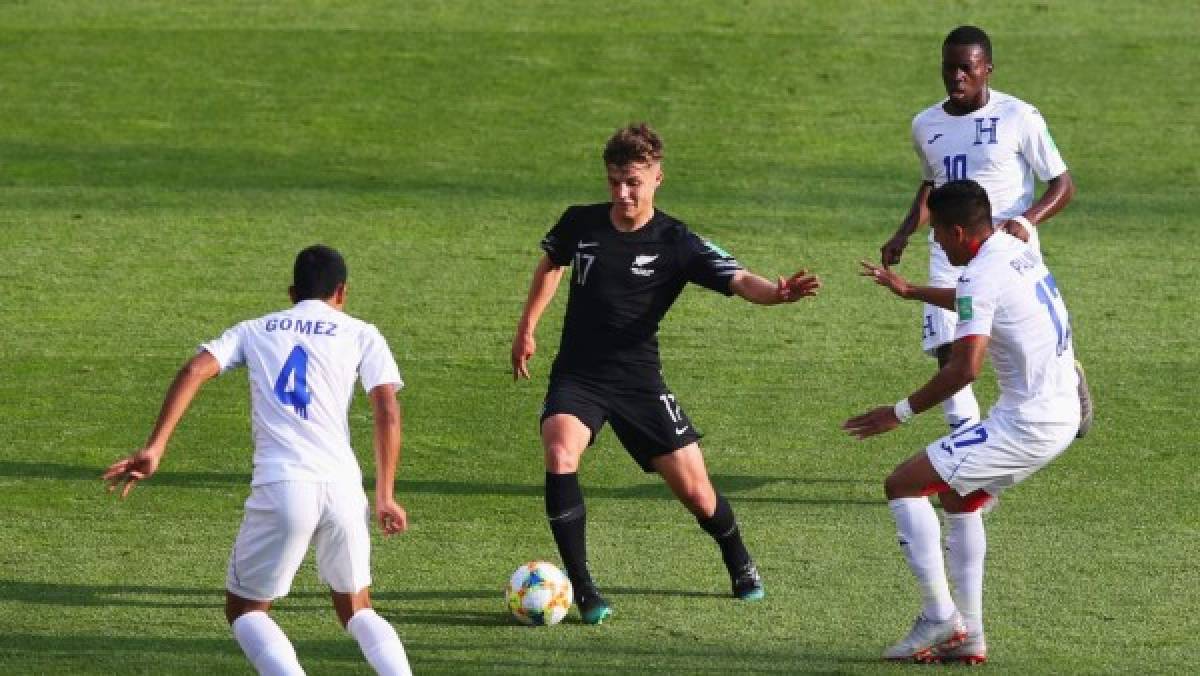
295	374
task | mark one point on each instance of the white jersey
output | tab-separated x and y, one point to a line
1007	293
1001	146
302	365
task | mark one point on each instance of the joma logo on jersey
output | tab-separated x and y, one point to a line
639	263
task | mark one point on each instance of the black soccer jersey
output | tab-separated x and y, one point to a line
622	283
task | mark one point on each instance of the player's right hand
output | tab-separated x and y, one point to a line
890	252
876	421
886	278
132	469
523	348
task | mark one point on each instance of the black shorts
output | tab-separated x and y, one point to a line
644	416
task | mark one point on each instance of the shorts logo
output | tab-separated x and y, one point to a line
965	311
681	430
639	265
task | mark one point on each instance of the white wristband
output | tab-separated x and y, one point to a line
903	411
1024	223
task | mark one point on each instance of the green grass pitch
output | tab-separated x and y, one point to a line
161	162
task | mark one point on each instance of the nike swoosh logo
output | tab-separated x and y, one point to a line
947	448
681	430
585	245
935	137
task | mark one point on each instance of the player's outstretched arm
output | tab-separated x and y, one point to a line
385	411
966	360
1059	192
142	464
762	291
943	298
541	291
918	213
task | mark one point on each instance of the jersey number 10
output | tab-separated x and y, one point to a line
956	167
294	373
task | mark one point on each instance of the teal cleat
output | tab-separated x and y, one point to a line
747	584
593	607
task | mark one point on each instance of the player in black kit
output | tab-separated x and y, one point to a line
629	263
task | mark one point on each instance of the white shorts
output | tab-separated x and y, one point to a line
937	324
281	519
997	453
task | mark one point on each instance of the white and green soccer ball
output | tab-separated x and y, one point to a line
539	594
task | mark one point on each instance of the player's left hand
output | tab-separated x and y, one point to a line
1015	229
886	278
392	517
799	285
131	470
875	421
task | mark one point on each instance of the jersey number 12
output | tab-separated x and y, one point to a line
294	373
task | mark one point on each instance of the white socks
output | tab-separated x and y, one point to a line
961	407
379	643
272	654
966	546
920	536
265	645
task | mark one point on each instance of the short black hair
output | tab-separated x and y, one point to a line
318	273
962	203
970	35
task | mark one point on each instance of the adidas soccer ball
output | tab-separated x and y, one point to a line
539	594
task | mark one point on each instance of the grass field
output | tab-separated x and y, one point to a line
161	163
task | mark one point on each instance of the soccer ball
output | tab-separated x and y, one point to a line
539	594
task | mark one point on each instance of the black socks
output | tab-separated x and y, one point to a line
723	528
568	523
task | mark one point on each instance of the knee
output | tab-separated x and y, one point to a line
236	606
700	499
893	486
561	458
346	606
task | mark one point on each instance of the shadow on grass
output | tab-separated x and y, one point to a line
143	653
681	593
729	484
170	597
666	654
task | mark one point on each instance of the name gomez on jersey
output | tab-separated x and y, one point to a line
622	284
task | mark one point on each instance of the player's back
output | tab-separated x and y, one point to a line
1008	285
303	363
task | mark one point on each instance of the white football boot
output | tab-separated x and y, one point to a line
1086	411
926	638
972	651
